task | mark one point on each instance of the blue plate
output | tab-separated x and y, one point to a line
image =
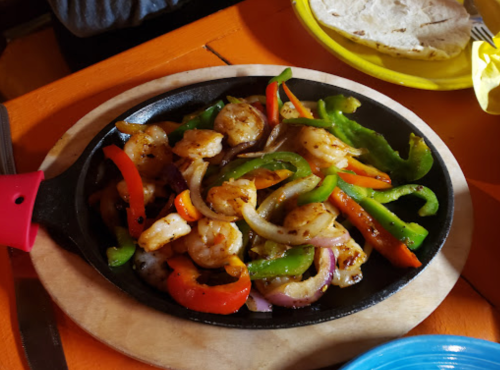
428	352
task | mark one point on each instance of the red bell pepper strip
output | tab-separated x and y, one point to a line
303	112
136	214
364	181
222	299
366	170
272	105
386	244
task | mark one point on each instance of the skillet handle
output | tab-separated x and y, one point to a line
55	209
17	199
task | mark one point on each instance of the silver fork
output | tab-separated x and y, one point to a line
479	30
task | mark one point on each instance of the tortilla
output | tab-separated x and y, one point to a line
417	29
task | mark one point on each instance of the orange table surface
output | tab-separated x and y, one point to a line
264	32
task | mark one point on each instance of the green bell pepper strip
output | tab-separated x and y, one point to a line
410	233
430	207
303	168
118	256
321	193
359	193
380	154
295	261
282	77
321	123
205	120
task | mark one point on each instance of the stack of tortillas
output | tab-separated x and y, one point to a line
417	29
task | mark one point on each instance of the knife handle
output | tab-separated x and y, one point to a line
17	199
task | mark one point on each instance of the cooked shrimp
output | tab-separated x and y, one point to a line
151	266
149	151
289	111
225	198
199	144
333	233
151	190
350	256
305	214
211	242
163	231
325	148
240	122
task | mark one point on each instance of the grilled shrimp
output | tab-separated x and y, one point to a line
163	231
325	148
240	122
151	190
224	199
149	150
199	144
350	256
307	213
289	111
211	242
151	266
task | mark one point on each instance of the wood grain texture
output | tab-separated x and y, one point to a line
168	342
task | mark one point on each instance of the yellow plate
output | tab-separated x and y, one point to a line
453	74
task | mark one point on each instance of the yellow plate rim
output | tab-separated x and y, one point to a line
303	12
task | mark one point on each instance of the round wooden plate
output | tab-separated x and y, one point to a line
169	342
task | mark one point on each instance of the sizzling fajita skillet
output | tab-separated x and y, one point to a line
62	206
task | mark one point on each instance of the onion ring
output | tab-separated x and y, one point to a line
200	168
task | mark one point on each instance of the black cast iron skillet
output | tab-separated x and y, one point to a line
62	207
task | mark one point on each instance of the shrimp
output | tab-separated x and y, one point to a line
324	148
151	266
307	213
289	111
225	198
163	231
212	242
151	190
350	256
241	123
149	150
199	144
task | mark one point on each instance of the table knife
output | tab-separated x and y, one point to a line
37	323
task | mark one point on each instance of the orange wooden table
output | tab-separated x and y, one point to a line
264	32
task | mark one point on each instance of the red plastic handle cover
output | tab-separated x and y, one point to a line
17	199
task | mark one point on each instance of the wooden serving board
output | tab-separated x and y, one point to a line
166	341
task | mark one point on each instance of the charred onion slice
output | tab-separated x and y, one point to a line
297	294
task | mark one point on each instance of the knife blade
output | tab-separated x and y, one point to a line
36	319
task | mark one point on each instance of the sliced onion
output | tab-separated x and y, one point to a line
272	144
303	293
200	167
257	303
329	242
281	234
286	192
235	150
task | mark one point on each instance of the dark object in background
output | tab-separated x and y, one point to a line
83	52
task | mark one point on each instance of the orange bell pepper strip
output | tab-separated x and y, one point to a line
222	299
185	207
364	181
264	178
383	241
366	170
303	111
136	213
272	105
